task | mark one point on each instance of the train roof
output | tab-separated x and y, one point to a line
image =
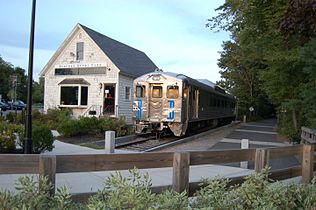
202	83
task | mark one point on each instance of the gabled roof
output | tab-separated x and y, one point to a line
78	81
130	61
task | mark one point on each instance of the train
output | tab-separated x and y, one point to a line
165	101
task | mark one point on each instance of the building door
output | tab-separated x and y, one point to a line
109	99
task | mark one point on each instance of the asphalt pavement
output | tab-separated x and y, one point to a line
260	134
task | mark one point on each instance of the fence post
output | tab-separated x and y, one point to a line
261	159
47	167
307	163
244	145
181	170
109	144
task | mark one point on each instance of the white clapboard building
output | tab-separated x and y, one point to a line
93	74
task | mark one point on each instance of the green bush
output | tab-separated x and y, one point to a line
54	117
32	195
8	135
256	193
113	124
88	125
69	128
92	125
132	192
42	139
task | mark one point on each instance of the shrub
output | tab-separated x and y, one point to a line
32	195
113	124
11	117
54	117
8	135
7	141
88	125
133	192
92	125
256	193
69	128
42	139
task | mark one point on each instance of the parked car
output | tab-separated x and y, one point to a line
17	105
4	106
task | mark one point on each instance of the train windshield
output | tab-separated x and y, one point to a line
140	91
157	92
172	91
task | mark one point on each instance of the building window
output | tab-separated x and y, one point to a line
79	51
127	93
72	95
140	91
84	96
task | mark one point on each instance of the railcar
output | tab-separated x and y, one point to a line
165	100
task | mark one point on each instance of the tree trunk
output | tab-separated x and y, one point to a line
294	118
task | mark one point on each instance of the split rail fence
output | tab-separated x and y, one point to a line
49	165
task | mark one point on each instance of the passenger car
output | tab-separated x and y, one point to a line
165	100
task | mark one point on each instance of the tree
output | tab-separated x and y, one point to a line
5	72
269	55
38	91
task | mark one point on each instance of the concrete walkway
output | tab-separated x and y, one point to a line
260	134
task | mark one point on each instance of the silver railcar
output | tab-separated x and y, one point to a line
165	100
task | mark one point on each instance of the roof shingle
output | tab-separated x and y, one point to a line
130	61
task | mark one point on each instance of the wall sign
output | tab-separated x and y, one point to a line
81	65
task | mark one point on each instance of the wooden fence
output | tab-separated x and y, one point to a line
49	165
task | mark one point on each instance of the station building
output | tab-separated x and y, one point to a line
92	74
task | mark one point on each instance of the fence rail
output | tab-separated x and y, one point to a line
49	165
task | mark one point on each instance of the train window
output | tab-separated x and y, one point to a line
172	91
140	91
157	92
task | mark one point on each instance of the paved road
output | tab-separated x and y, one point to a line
260	134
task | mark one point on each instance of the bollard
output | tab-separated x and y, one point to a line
244	119
109	141
244	145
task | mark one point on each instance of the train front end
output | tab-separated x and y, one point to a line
157	104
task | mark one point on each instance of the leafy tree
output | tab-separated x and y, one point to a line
269	56
5	72
18	90
38	91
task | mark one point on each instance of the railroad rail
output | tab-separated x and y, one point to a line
149	143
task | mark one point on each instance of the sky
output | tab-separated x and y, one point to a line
171	32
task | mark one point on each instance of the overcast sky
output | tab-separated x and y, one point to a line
171	32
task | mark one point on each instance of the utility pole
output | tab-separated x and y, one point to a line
28	144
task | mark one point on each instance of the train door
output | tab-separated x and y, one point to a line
155	101
195	103
185	109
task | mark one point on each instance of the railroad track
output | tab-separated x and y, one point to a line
142	144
